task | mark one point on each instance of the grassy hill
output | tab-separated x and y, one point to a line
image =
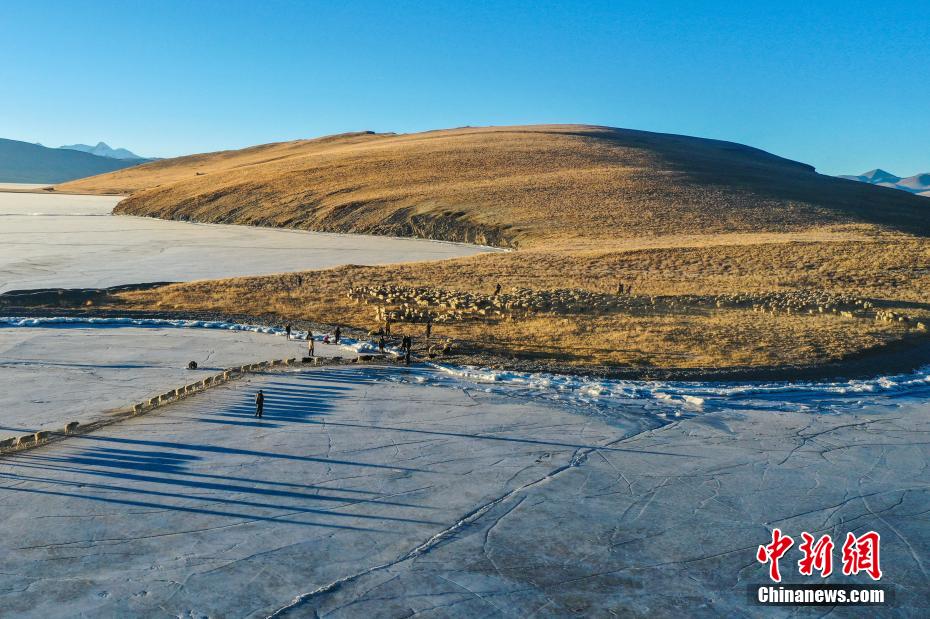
22	162
507	186
739	260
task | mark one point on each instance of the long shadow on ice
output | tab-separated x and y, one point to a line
164	474
101	466
285	403
290	402
304	404
186	475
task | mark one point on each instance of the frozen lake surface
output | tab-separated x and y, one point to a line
69	241
368	492
393	492
73	372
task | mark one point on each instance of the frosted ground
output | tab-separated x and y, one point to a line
67	241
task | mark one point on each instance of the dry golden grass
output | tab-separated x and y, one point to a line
532	187
586	207
890	269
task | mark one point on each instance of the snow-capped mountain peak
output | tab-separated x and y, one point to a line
918	184
102	149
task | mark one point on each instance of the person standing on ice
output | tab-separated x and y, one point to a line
287	330
259	404
338	334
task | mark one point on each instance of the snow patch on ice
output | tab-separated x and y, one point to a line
51	321
360	346
691	398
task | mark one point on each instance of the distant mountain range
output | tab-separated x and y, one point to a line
102	149
919	183
23	162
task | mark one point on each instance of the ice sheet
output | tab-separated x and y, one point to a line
65	241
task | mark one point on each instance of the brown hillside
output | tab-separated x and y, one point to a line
510	186
739	261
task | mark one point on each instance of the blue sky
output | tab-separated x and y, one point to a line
840	85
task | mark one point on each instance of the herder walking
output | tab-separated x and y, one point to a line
309	344
381	344
338	334
259	404
287	330
429	329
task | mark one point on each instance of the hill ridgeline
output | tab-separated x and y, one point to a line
525	186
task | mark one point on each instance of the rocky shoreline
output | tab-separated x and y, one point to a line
899	357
